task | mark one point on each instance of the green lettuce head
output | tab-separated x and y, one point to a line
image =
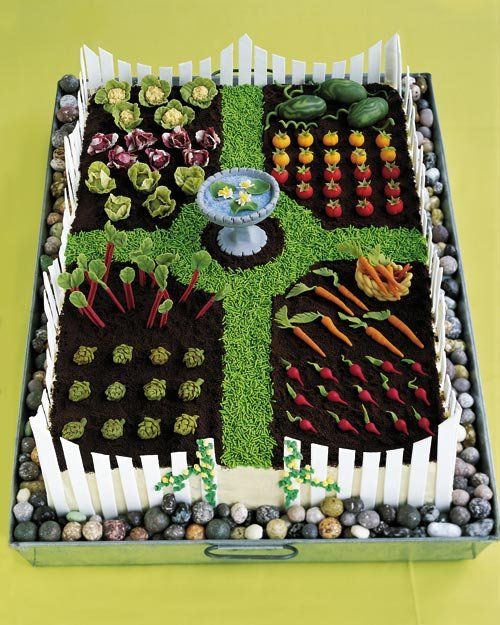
154	92
113	429
186	424
174	114
127	116
74	430
115	391
155	389
142	178
199	92
114	92
189	179
149	428
122	354
84	355
79	390
117	207
99	179
159	356
159	203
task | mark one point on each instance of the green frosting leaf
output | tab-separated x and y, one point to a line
154	92
186	424
215	187
122	354
99	179
149	428
127	275
117	207
142	178
199	92
64	280
160	203
78	299
174	114
159	356
98	268
84	355
238	208
114	92
189	179
258	187
127	116
298	289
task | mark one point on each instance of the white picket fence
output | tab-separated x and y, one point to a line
252	66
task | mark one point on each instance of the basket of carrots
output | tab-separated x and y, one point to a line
378	276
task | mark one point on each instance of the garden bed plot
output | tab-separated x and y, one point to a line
90	214
180	333
410	217
415	311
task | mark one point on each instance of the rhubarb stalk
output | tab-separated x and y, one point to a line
114	239
127	276
215	297
200	260
78	299
161	276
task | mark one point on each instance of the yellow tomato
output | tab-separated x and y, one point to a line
330	139
281	140
388	154
305	139
358	156
332	157
281	158
356	138
306	156
383	139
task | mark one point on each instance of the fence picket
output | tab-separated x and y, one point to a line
107	65
206	67
345	472
319	72
369	478
374	62
152	475
356	67
260	66
125	71
93	68
279	73
338	69
298	72
142	70
77	477
166	73
393	473
419	466
129	483
226	65
185	72
179	464
446	455
105	486
319	464
244	60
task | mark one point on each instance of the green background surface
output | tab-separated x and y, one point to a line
455	40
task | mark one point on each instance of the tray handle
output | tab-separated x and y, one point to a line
281	552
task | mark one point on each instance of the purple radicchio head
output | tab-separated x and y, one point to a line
120	158
101	142
195	157
177	139
137	139
208	138
158	159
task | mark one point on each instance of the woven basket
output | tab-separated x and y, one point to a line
369	286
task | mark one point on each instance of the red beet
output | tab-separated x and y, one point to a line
390	391
365	395
332	396
292	372
343	424
354	369
369	426
415	366
385	365
324	372
399	424
307	426
420	393
423	422
298	398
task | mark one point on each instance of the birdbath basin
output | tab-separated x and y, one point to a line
238	199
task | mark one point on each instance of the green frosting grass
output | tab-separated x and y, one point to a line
246	407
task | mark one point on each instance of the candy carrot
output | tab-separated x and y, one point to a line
367	268
286	323
384	315
372	332
332	328
300	288
343	290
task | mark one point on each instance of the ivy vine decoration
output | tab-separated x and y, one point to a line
204	468
295	475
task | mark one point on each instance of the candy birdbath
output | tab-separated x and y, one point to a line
238	199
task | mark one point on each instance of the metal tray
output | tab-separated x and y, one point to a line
297	550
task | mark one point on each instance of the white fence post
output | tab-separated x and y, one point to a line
77	477
129	483
393	473
319	464
356	67
419	466
369	478
345	472
105	486
179	465
374	62
244	60
226	66
152	476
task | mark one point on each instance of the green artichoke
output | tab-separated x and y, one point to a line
155	389
199	92
127	116
114	92
149	428
117	207
74	430
79	390
113	429
99	178
189	179
160	203
186	424
173	114
122	354
115	391
190	390
142	178
194	357
84	355
159	356
154	91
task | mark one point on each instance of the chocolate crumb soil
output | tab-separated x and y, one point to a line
180	333
415	311
90	214
410	217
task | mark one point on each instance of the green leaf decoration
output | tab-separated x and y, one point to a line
127	275
215	187
109	232
160	203
222	293
281	318
379	316
77	277
189	179
351	248
117	207
161	276
354	322
146	246
99	178
78	299
98	268
165	306
298	289
169	258
127	116
236	208
306	317
114	92
376	257
324	271
258	187
64	280
145	263
200	260
154	92
81	261
142	178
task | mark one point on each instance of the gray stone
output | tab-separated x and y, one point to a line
440	234
460	497
156	520
218	529
69	83
479	508
25	532
465	400
426	117
68	100
470	455
202	512
453	327
28	471
174	532
425	132
461	385
459	515
479	478
264	514
358	531
314	515
408	516
49	531
354	504
254	532
479	528
239	513
310	531
296	513
23	511
468	417
459	357
368	519
347	519
449	265
429	513
432	176
444	530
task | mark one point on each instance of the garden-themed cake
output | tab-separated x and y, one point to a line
245	312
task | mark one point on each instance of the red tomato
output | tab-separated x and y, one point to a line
394	206
280	174
390	171
304	191
391	189
333	209
332	172
362	172
364	208
332	190
303	173
364	189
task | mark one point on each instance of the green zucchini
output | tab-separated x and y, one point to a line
367	112
302	107
342	90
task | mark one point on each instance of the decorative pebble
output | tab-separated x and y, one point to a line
28	442
296	513
195	531
368	519
49	531
202	513
181	514
69	83
479	528
26	531
459	515
277	529
239	513
461	385
354	504
168	503
331	527
314	515
68	100
28	471
444	530
470	455
295	530
408	516
134	518
23	495
432	176
222	511
459	357
465	399
426	117
358	531
310	531
462	372
418	532
23	511
387	513
332	506
429	513
347	519
470	439
138	533
67	114
460	497
461	433
479	508
464	468
38	498
218	529
156	520
254	531
72	531
287	521
479	478
468	417
92	531
238	533
114	530
264	514
76	515
484	492
174	532
42	514
440	234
